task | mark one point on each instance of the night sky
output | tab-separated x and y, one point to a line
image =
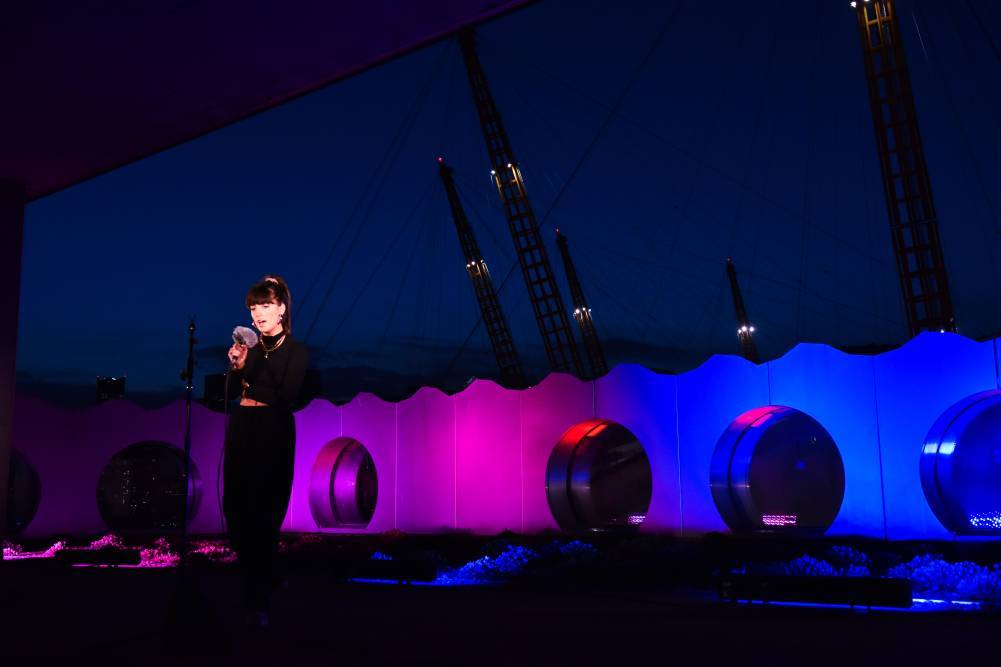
659	137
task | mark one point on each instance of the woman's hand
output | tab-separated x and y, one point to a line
238	356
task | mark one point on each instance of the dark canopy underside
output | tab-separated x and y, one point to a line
92	86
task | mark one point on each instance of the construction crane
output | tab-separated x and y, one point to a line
582	312
550	315
511	373
745	330
913	222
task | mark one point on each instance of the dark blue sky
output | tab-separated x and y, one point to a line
746	132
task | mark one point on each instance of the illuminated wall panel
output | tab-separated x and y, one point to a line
547	411
476	460
837	390
426	462
488	464
315	425
914	385
644	402
372	422
709	398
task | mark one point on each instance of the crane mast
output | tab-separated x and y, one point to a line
582	312
906	185
745	330
547	304
511	373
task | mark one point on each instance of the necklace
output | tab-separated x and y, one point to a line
277	345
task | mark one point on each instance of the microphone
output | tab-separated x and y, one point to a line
245	336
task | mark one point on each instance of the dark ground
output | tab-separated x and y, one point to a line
122	616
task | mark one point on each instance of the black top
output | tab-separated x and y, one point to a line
277	379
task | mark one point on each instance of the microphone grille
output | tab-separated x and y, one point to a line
245	336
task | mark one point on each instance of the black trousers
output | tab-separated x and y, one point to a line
257	484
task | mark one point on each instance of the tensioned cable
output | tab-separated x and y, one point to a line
389	157
971	154
371	180
725	175
400	288
590	267
378	267
697	180
479	321
587	152
807	168
482	225
987	33
533	67
614	109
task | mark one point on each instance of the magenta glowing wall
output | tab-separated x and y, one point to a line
476	461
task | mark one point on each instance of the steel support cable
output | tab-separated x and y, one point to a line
558	142
970	152
714	305
400	287
378	267
481	224
613	111
959	118
983	28
824	298
697	180
645	319
971	55
596	279
450	107
384	168
680	219
436	313
428	312
632	264
864	159
810	149
416	331
724	175
371	181
629	314
792	286
601	131
759	114
478	322
667	268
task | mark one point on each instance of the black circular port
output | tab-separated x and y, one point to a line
142	488
24	493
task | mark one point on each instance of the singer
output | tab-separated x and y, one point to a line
260	440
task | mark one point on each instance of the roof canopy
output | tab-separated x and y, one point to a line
96	85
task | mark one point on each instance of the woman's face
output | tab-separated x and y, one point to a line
267	317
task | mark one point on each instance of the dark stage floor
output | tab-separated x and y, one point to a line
121	617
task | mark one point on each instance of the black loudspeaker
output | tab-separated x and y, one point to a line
109	388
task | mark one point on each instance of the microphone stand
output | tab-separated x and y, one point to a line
191	627
188	375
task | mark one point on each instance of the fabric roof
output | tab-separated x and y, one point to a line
93	86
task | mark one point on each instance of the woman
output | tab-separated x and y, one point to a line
260	440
